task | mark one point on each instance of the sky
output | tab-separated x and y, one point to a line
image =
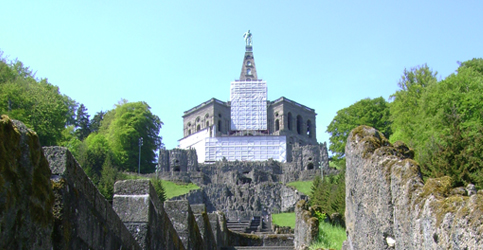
174	55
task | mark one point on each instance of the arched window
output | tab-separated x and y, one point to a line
219	125
189	131
249	71
289	121
249	63
198	127
309	128
277	125
207	124
300	122
310	166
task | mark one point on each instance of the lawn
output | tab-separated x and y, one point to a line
304	187
284	219
172	189
329	237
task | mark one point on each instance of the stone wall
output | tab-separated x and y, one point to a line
306	226
139	208
26	196
47	201
388	206
82	217
184	222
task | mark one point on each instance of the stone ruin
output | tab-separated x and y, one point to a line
245	189
48	202
389	206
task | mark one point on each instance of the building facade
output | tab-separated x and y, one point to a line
248	127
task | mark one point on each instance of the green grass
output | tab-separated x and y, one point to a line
172	189
304	187
284	219
329	237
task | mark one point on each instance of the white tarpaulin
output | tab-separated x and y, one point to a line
248	105
246	148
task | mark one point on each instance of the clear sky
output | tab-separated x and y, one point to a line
174	55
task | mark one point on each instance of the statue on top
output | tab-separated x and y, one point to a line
248	38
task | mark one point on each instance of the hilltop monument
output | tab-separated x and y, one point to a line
248	127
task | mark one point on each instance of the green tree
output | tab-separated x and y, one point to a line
124	126
370	112
329	193
37	103
158	186
96	121
109	176
82	123
447	140
406	105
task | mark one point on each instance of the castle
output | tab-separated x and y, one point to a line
242	153
248	127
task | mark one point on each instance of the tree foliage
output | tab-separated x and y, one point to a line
37	103
407	101
124	126
329	193
370	112
82	123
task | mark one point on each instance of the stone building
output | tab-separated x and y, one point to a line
248	127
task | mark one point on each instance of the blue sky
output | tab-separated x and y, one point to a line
174	55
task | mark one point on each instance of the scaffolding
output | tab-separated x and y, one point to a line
246	148
248	105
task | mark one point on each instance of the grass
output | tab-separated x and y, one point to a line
330	236
172	189
284	219
304	187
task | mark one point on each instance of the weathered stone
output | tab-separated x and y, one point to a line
83	218
306	226
140	210
388	205
184	223
26	197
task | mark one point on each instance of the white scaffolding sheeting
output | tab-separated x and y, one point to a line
246	148
248	105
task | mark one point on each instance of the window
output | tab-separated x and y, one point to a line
300	122
309	128
249	71
249	63
219	125
277	125
198	128
207	124
289	121
189	131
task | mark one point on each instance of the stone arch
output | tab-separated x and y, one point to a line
289	121
310	166
300	123
309	128
277	125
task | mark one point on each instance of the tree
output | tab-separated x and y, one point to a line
124	126
82	123
370	112
37	103
406	102
448	138
96	121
